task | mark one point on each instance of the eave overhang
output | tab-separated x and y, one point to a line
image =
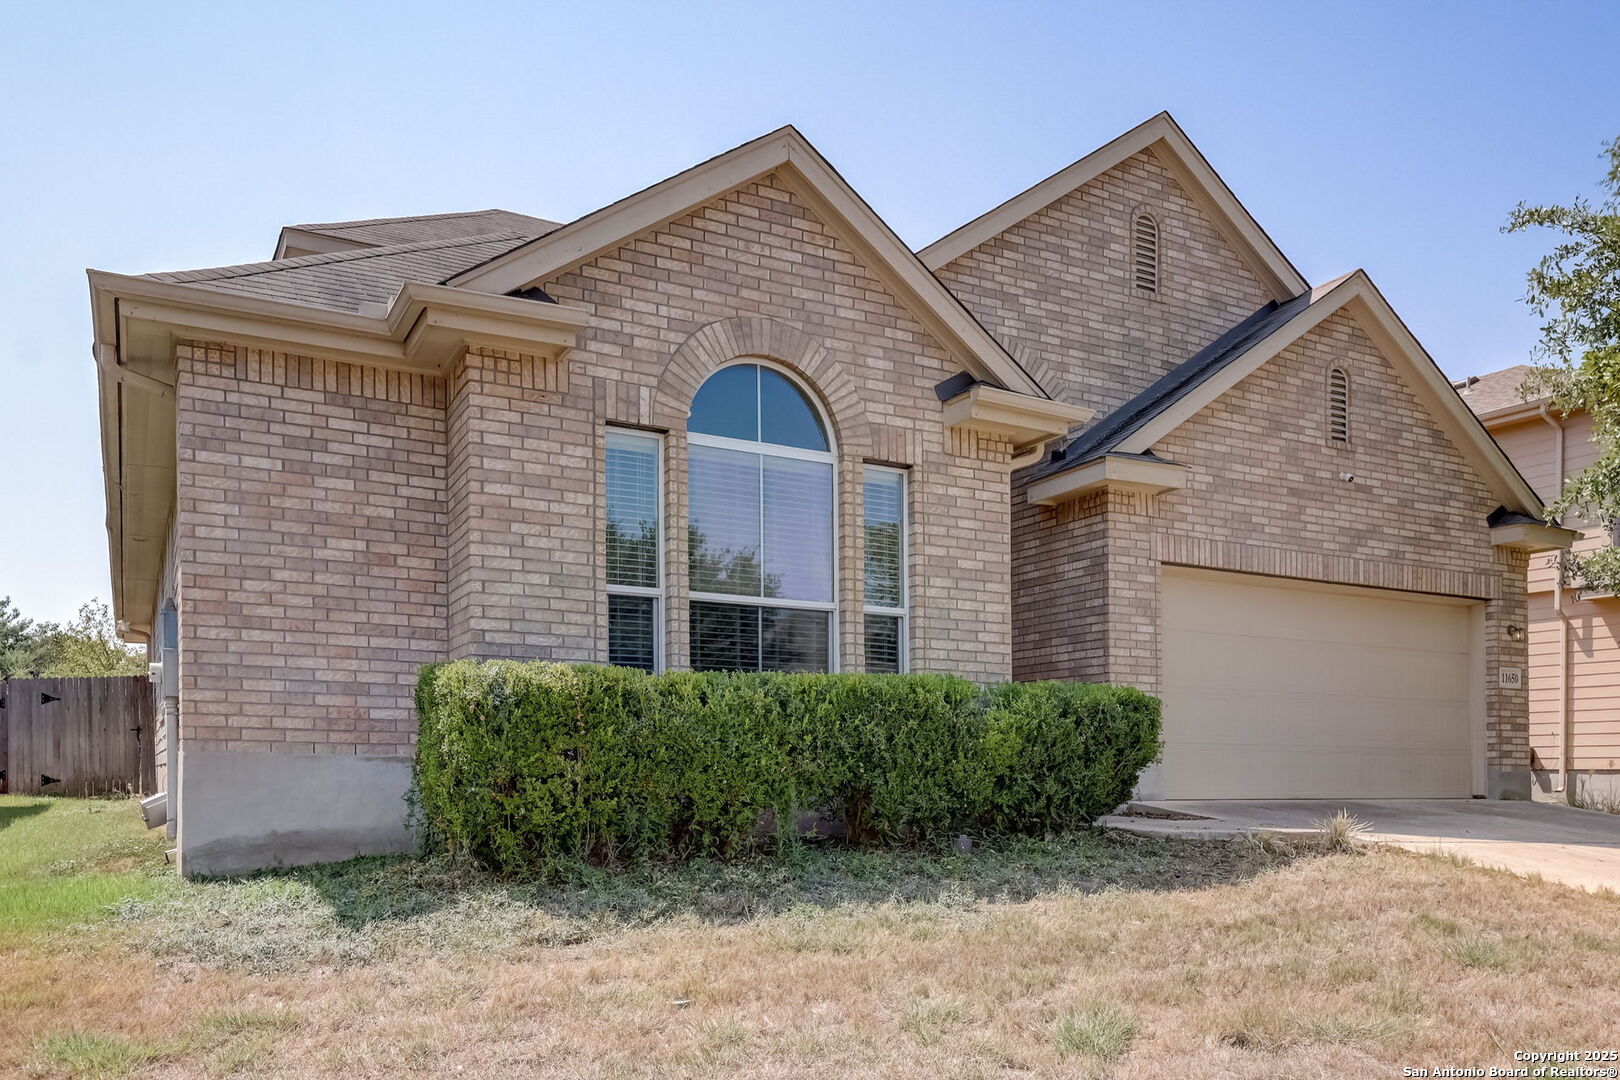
138	322
1024	420
1111	472
1532	537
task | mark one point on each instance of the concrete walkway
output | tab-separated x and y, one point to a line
1575	847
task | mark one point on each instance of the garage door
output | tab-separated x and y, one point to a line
1278	689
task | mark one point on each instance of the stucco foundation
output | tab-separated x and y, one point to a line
247	810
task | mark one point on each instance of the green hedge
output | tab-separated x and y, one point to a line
536	767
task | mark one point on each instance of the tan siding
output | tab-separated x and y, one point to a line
1594	686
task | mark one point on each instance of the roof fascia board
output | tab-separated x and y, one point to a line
609	227
811	178
1191	169
313	243
1392	337
1026	420
1513	414
1112	473
936	307
386	339
1526	536
1143	438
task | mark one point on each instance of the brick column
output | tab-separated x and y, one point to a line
522	502
1507	711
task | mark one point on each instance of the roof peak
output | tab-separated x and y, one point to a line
362	222
1190	169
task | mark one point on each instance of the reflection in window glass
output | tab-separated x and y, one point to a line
785	417
632	509
728	404
630	631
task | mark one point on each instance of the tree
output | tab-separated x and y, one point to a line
1576	289
18	652
88	646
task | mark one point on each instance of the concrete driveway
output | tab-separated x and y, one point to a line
1575	847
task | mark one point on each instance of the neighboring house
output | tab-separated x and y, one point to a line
732	422
1574	634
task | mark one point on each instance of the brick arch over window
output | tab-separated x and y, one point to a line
720	343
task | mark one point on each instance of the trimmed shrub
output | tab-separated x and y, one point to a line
538	768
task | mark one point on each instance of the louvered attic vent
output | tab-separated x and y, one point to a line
1339	406
1146	242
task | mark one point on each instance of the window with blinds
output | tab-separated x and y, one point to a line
760	528
1339	407
1145	249
883	527
633	545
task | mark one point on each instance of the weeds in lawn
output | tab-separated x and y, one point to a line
928	1020
1606	800
1101	1032
1341	834
231	1040
1480	951
87	1056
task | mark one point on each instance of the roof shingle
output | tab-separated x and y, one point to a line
1108	432
381	232
343	280
1495	390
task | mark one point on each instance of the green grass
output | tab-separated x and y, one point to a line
1102	1032
88	1056
231	1041
70	861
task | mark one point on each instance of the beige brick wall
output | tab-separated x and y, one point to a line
1058	287
339	526
311	520
1265	496
757	274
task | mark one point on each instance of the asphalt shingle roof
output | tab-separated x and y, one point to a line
379	232
1107	433
1496	390
343	280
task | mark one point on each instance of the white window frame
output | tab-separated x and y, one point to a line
748	446
903	612
655	591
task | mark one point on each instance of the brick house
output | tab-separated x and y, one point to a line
1574	633
1105	431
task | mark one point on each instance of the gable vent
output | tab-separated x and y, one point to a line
1339	406
1145	238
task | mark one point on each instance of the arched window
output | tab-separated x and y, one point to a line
761	549
1145	252
1338	407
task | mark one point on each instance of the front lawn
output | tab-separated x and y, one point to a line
1088	954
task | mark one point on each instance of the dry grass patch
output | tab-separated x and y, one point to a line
1087	955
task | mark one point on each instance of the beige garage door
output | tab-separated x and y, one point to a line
1277	689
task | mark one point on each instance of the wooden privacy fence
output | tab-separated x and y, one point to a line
76	736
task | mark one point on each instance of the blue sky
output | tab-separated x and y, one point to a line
139	137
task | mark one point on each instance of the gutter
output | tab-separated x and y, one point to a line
1563	620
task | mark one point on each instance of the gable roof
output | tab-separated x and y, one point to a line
1107	434
1193	385
344	280
1192	171
808	175
1498	393
327	236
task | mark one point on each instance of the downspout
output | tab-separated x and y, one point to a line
1563	621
